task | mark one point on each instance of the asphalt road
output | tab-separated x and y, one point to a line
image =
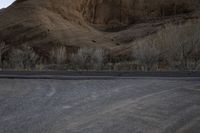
137	105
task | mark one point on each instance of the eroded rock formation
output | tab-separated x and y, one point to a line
119	12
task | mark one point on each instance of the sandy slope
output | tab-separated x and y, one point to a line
97	23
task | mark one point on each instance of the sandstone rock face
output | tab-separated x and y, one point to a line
125	12
77	23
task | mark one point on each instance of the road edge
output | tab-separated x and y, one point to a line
90	74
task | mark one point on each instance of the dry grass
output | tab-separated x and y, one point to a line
176	46
23	58
88	58
3	49
182	45
58	55
146	55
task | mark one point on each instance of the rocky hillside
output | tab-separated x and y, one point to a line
111	13
109	24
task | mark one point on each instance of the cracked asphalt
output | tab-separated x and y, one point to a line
137	105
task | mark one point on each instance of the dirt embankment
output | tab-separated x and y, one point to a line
110	24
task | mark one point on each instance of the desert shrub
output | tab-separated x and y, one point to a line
3	50
23	58
181	45
58	55
126	66
146	55
176	46
88	58
2	47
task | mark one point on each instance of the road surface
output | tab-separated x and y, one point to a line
118	105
